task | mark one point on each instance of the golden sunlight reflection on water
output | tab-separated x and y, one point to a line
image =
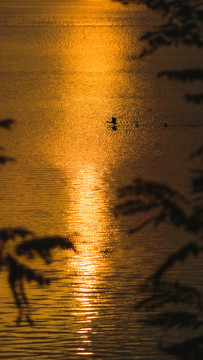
63	80
85	288
90	217
94	87
89	213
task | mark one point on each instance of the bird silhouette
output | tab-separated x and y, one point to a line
113	121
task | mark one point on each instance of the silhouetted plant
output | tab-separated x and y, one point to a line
181	25
6	124
159	203
19	244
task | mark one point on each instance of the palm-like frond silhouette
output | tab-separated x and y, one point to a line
181	25
166	292
188	75
17	245
159	203
26	245
180	319
188	350
162	203
42	247
6	124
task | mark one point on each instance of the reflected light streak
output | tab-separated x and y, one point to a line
90	145
89	217
91	56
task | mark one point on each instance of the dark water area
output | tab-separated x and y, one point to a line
66	68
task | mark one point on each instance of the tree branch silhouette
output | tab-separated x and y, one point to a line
181	25
160	203
18	245
5	124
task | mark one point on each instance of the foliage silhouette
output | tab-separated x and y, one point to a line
6	124
18	245
160	203
181	25
189	349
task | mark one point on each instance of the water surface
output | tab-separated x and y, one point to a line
66	69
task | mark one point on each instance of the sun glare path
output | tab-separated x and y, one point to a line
89	217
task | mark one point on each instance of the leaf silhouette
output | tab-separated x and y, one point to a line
5	159
6	123
196	98
187	350
18	274
26	245
18	244
184	75
167	292
181	25
158	203
180	255
171	319
43	247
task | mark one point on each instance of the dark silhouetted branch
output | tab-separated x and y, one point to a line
26	245
157	295
181	24
6	123
180	255
42	247
170	319
184	75
166	204
187	350
196	98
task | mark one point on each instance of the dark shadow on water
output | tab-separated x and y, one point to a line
5	124
181	25
168	303
18	245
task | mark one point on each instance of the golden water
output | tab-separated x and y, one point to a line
66	68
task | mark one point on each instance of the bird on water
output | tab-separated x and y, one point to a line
114	127
113	121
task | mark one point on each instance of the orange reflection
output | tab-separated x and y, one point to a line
85	290
94	88
89	217
89	205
